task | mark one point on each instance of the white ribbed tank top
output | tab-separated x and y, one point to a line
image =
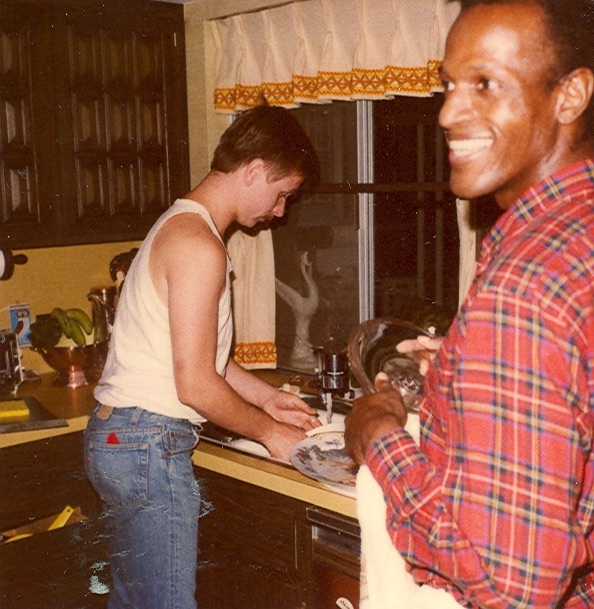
139	366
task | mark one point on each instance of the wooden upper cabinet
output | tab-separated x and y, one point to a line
23	123
94	119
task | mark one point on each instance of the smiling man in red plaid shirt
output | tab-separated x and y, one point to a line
497	504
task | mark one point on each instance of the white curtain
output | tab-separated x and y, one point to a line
468	247
317	51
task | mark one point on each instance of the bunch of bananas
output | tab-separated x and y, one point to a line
55	328
74	323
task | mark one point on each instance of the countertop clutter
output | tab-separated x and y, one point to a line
75	406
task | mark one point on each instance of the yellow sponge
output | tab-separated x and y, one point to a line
13	408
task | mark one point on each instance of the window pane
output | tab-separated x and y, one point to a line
416	231
322	227
316	258
416	257
333	130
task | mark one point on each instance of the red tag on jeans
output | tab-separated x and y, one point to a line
112	439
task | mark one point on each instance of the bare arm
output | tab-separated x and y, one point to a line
280	405
188	268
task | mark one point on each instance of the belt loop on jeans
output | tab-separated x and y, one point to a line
104	412
136	416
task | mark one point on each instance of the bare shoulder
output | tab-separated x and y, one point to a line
188	236
182	249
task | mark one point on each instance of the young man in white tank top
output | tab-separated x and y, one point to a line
169	369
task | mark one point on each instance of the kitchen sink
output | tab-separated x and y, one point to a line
217	435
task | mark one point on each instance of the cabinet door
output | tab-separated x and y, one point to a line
60	569
125	118
41	478
113	139
249	546
26	179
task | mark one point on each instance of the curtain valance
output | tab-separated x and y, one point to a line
321	50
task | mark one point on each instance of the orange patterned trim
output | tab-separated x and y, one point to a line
279	93
255	353
406	81
357	84
335	85
434	78
305	88
369	82
247	96
224	99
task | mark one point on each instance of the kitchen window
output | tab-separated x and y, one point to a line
380	236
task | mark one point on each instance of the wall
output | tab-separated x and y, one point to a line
57	276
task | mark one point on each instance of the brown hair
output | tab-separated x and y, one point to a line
274	135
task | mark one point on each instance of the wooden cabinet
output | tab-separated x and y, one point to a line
93	119
252	543
263	550
60	569
40	478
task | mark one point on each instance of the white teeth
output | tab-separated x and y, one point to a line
468	146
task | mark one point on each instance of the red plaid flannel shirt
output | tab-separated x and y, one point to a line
497	504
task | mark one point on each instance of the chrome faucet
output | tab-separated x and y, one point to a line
332	376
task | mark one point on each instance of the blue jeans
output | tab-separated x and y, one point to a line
140	464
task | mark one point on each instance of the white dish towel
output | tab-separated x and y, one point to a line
254	298
385	582
468	245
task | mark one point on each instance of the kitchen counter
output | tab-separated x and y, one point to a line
75	406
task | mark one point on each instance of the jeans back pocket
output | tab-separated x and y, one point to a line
118	472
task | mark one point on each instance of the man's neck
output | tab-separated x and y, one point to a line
215	193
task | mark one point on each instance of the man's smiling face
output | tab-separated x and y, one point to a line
499	110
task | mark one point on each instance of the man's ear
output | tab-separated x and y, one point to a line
576	92
253	170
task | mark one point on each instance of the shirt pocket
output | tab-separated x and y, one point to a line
118	472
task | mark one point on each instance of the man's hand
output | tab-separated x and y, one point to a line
422	349
372	417
281	441
286	407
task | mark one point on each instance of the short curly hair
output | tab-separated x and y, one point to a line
570	25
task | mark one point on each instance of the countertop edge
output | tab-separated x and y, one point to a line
22	437
260	472
272	476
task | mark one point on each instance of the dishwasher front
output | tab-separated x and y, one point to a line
335	552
